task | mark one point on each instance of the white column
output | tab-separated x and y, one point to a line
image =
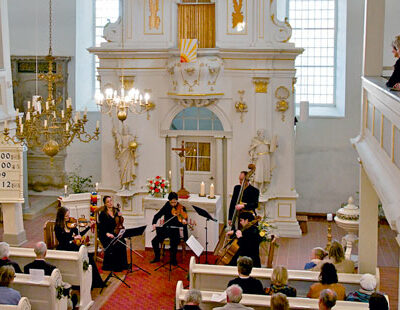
368	231
14	232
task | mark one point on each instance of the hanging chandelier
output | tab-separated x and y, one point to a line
45	124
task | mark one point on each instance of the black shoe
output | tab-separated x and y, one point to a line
155	260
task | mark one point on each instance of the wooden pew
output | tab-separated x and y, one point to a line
216	278
42	295
23	304
70	265
262	302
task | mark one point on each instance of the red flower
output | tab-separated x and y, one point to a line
157	183
162	180
157	190
151	182
163	185
158	177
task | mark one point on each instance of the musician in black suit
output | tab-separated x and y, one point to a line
40	263
249	198
170	229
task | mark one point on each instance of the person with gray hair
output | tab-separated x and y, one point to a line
4	260
327	299
192	300
40	263
233	297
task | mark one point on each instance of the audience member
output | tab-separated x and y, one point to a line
328	280
378	301
367	287
8	296
192	300
233	298
4	253
327	299
279	280
336	257
279	302
317	256
39	263
248	284
394	81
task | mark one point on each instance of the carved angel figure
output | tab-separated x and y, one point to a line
260	153
125	151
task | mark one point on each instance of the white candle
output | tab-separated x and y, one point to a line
76	118
45	123
67	126
97	187
28	116
97	124
17	111
170	174
5	124
78	114
212	194
22	128
29	105
68	102
62	113
202	189
85	113
47	105
65	189
329	217
20	120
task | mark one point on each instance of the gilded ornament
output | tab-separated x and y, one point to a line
237	15
282	105
261	84
241	106
51	148
154	19
122	115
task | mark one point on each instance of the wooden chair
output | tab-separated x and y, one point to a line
50	235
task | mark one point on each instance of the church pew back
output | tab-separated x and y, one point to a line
23	304
42	295
70	265
262	302
216	278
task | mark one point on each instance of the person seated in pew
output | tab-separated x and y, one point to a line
192	300
248	284
378	301
327	299
233	298
279	301
328	279
317	256
279	283
8	296
40	250
336	257
367	288
4	260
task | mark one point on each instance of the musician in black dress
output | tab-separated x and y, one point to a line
248	239
68	239
170	229
115	258
249	198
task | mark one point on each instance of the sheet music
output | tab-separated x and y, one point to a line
195	245
218	297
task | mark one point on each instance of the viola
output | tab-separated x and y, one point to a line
119	220
179	212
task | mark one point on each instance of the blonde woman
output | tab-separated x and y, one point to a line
336	257
394	81
279	283
8	296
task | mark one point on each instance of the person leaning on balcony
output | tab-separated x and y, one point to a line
394	81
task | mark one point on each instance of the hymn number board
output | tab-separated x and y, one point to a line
11	173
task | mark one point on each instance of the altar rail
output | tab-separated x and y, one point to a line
378	144
216	278
70	265
42	295
23	304
261	302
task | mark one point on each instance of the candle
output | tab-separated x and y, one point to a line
170	174
47	105
76	118
22	128
62	113
67	126
17	111
329	217
78	114
202	189
68	102
5	124
85	113
28	116
212	194
97	187
65	189
29	105
97	124
20	120
45	123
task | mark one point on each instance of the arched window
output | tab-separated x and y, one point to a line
195	118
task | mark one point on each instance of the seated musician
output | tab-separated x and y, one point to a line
248	284
70	239
115	258
248	239
249	199
174	218
40	263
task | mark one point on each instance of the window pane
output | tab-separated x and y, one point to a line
204	164
205	124
204	149
190	124
191	148
191	112
191	164
177	124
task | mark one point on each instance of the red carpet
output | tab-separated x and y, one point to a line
153	291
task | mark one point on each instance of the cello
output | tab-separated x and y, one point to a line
231	246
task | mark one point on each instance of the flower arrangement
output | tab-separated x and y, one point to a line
266	230
158	186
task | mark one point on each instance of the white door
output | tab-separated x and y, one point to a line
199	163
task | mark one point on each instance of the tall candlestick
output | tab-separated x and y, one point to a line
202	189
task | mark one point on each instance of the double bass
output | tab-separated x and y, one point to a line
231	245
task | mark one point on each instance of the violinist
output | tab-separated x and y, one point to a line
110	221
69	239
175	216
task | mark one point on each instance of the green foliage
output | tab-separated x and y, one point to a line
79	184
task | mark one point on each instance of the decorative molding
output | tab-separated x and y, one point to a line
241	106
284	31
261	84
282	93
112	31
196	102
127	81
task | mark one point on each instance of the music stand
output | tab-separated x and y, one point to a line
169	262
129	234
204	213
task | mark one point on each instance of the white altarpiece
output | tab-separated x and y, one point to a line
253	64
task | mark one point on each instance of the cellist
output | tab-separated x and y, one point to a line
175	216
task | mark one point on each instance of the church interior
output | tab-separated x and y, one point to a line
142	140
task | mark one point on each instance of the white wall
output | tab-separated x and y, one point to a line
392	29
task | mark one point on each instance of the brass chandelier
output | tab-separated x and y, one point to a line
45	124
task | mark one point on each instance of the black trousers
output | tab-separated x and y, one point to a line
162	233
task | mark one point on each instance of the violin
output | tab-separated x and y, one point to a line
179	212
119	220
71	223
